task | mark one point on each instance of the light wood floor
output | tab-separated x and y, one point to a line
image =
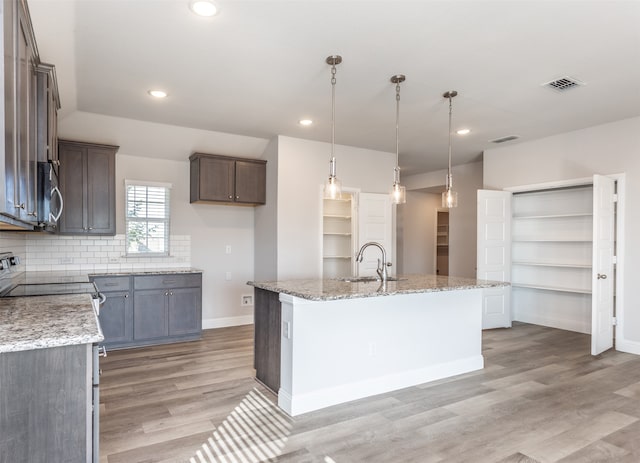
540	398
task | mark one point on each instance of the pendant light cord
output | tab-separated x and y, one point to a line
449	176
333	109
396	176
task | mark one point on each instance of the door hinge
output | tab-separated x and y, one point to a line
614	321
615	198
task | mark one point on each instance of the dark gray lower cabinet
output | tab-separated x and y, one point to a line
150	309
45	404
267	321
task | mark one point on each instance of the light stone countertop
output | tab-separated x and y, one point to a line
39	322
334	289
154	271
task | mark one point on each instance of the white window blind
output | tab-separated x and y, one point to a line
147	218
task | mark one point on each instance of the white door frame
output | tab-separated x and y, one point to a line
620	343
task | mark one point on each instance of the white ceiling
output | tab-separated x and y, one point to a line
259	66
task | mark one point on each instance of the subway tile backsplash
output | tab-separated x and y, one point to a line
55	253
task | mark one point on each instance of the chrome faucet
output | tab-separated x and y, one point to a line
382	266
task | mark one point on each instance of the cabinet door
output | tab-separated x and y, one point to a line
101	197
72	186
150	314
250	179
185	311
215	179
116	317
23	83
10	136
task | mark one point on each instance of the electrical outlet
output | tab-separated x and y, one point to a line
246	300
372	349
286	330
65	260
227	249
228	276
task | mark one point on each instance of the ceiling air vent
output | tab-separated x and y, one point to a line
503	139
563	84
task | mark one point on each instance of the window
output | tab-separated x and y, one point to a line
147	218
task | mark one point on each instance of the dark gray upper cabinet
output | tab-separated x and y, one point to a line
87	181
223	179
26	111
48	104
20	59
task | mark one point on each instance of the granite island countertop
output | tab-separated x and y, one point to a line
39	322
335	289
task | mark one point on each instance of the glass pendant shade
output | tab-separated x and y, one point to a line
333	188
398	194
333	185
449	198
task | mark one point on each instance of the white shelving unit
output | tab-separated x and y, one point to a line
337	236
551	257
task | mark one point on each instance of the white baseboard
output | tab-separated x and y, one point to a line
223	322
569	325
631	347
315	400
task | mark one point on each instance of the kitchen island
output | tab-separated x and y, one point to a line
323	342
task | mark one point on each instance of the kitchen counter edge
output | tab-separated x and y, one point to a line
41	322
335	289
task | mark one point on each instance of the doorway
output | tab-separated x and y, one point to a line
442	242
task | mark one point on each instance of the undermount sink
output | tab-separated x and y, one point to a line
366	279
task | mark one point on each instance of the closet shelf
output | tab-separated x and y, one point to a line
336	234
551	264
551	240
336	257
335	216
552	288
553	216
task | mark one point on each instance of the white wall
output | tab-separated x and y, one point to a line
302	169
606	149
467	179
415	225
266	221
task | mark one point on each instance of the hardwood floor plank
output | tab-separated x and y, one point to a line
541	398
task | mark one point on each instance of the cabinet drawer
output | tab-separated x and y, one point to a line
167	281
106	284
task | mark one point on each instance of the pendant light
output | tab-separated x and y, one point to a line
333	186
449	197
398	192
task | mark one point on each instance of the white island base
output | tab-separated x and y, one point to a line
336	351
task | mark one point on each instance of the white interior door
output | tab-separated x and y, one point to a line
494	256
374	224
603	273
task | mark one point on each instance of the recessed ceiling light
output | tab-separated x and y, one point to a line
203	7
463	131
305	122
157	93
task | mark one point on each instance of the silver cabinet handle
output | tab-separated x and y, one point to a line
601	276
20	206
102	351
54	218
126	295
166	293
